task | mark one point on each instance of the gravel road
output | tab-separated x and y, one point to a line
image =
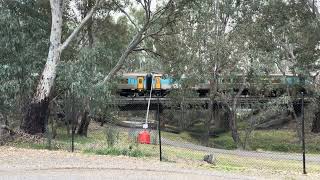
16	163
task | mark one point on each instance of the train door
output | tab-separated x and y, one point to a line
158	83
140	83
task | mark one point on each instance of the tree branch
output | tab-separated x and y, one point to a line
132	45
81	25
147	50
313	7
126	14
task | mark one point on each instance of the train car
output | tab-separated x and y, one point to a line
272	85
139	84
131	84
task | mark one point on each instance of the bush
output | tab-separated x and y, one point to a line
118	151
224	141
112	135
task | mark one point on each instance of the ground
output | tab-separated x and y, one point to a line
19	163
180	149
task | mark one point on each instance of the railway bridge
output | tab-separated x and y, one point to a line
141	103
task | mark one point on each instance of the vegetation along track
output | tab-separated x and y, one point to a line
243	153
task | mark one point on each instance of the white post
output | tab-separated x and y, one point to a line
145	126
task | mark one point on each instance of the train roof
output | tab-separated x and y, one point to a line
139	74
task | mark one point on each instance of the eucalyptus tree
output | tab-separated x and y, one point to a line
284	34
24	39
151	25
81	74
34	121
209	45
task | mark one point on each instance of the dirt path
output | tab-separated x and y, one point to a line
42	164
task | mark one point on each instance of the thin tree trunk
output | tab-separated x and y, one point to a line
316	123
84	124
233	120
84	119
233	125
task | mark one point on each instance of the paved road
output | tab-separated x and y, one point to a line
268	155
119	174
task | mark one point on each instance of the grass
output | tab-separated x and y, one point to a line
227	162
125	144
115	151
261	140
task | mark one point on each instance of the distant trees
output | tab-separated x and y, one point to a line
201	41
218	39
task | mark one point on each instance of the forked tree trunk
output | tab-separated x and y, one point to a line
36	117
37	114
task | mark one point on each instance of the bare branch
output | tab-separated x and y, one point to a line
313	7
147	50
160	12
132	45
143	6
160	30
126	14
81	25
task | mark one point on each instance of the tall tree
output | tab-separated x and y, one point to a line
152	24
24	40
35	119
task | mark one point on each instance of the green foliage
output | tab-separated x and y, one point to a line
279	25
23	46
224	141
112	136
118	151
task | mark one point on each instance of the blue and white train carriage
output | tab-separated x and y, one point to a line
139	84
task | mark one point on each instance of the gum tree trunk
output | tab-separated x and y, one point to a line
37	114
36	118
84	124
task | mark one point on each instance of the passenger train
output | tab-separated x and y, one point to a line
140	84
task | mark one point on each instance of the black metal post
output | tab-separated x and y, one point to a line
159	129
72	139
303	137
48	133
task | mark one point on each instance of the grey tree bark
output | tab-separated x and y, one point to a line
36	118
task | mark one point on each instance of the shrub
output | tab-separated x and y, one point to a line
112	135
132	152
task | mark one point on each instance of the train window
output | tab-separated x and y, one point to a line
140	81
